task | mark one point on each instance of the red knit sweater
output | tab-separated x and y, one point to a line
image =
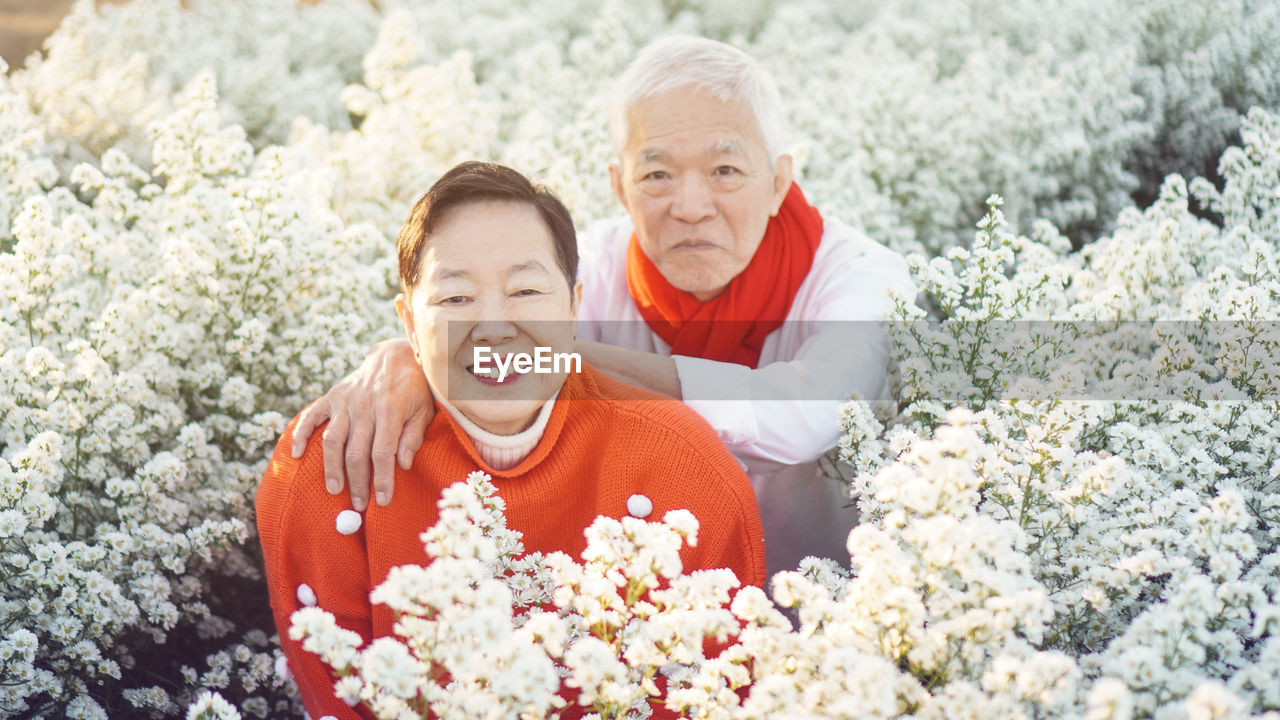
601	446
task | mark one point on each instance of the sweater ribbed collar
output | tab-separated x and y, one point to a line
502	452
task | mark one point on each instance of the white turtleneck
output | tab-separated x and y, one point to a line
502	452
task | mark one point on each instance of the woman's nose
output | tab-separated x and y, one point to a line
493	324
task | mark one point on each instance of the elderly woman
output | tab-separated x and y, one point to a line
488	266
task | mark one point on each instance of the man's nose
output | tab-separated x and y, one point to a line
694	200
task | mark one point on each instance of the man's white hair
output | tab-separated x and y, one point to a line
723	71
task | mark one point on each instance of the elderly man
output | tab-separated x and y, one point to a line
723	287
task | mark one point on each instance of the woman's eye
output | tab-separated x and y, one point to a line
526	292
455	300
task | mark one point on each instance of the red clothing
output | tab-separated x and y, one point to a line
732	326
600	447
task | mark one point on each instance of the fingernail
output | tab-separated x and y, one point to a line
382	498
359	504
297	451
332	485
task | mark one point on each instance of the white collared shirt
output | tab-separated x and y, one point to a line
780	417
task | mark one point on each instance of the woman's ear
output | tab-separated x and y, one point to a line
405	312
576	299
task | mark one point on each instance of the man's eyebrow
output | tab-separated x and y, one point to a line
726	147
652	155
719	147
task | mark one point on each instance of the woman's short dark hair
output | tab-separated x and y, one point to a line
472	182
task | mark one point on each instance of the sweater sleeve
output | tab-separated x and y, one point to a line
308	560
731	537
701	476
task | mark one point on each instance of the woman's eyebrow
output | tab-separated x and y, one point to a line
452	274
526	266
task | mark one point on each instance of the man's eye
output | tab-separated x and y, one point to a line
455	300
657	175
526	292
726	170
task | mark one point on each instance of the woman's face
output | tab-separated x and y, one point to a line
490	280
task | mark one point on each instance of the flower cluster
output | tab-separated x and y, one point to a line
1130	439
905	115
111	71
483	631
153	326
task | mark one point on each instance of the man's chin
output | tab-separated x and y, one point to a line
696	281
704	290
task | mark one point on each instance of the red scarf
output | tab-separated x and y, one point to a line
732	326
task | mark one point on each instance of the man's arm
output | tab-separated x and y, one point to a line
787	411
376	414
650	371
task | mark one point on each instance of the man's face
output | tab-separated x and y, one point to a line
490	279
696	180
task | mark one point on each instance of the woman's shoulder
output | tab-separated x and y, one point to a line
670	458
655	426
294	486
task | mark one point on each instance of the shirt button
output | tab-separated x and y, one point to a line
282	669
306	595
639	506
348	522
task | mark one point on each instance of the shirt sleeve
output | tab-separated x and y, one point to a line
787	411
306	558
600	247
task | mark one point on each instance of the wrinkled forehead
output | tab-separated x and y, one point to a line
722	147
691	121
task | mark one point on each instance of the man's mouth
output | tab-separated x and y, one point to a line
694	246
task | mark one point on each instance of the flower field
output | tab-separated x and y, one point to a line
1071	509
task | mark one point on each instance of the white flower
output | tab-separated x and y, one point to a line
389	665
1212	701
212	706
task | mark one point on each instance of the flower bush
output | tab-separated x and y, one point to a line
151	324
1072	511
906	114
484	632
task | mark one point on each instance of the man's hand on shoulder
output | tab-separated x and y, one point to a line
377	415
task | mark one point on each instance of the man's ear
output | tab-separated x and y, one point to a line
615	181
782	179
